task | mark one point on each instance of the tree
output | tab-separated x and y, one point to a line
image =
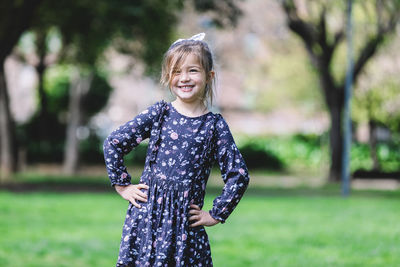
96	28
322	40
376	103
87	30
15	18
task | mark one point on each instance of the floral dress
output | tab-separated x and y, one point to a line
180	155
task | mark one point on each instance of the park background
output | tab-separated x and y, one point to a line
72	72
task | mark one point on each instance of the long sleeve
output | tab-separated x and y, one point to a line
122	140
233	170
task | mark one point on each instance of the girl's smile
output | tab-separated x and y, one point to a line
186	88
189	81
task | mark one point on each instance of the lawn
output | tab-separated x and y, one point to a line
269	228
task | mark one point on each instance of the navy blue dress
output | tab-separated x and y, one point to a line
180	155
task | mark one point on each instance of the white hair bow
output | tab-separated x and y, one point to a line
197	37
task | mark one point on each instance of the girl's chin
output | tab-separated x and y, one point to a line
186	98
184	93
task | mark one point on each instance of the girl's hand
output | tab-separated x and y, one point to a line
201	217
132	193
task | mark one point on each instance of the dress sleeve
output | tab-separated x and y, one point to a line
233	170
126	137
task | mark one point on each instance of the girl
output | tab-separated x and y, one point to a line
164	225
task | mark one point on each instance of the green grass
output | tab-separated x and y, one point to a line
269	228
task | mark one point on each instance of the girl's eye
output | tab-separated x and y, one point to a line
193	70
177	72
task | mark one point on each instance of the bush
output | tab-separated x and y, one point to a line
360	157
43	136
388	156
138	155
91	151
257	157
295	153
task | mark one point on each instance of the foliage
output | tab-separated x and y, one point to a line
91	149
82	229
378	101
85	31
294	153
258	157
138	156
42	142
56	84
142	29
43	138
360	157
228	11
388	156
309	153
97	96
322	37
292	82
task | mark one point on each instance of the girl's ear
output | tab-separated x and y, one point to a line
211	75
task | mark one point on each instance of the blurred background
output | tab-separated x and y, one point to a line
72	71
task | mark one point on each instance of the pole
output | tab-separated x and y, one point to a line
347	104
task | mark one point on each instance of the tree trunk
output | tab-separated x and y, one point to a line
41	69
334	101
15	17
43	115
336	143
78	89
7	157
373	145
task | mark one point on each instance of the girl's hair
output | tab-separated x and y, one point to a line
177	52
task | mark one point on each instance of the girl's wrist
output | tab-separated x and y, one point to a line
120	188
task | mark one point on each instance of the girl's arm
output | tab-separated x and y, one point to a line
233	170
121	141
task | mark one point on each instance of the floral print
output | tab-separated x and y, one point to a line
180	155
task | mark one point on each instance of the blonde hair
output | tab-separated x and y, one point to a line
178	52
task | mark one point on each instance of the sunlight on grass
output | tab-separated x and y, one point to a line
83	229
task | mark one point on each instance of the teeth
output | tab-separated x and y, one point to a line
186	88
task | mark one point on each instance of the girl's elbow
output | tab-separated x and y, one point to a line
110	143
112	139
245	180
107	142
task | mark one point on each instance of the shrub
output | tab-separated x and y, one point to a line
294	153
138	155
257	157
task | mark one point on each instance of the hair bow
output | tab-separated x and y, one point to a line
197	37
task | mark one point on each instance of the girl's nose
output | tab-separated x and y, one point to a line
185	76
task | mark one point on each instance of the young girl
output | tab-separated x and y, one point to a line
164	225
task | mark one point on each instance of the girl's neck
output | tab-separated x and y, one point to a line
191	109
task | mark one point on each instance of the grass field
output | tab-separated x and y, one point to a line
269	228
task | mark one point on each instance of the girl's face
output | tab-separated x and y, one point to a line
189	80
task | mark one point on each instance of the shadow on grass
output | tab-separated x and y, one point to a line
60	183
31	182
332	190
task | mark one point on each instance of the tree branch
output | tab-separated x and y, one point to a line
338	38
322	39
371	46
303	29
14	19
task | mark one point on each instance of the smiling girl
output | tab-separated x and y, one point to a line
164	225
